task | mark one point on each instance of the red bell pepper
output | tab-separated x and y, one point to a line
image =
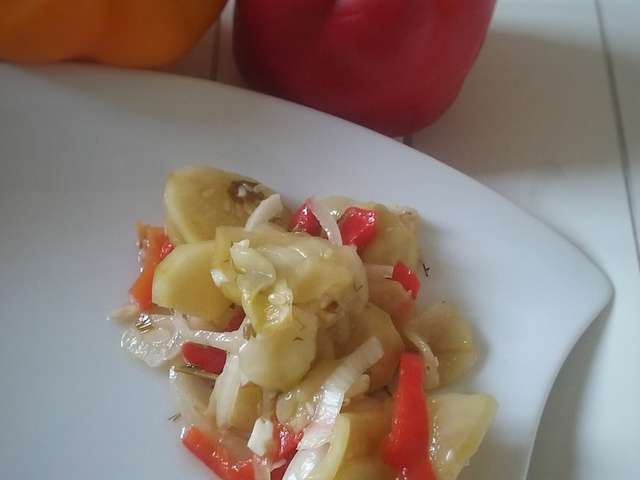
358	226
392	65
406	448
207	358
235	321
287	442
303	220
407	278
215	456
154	247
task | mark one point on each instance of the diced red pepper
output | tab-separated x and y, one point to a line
236	321
407	278
406	448
287	441
154	246
303	220
215	456
208	358
358	226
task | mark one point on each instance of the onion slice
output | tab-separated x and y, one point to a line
225	392
326	220
267	209
334	389
304	462
156	338
230	342
262	468
261	436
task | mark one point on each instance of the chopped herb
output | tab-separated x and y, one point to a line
189	369
144	324
426	270
332	307
248	331
243	191
174	417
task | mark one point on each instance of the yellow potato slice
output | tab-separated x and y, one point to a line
182	281
199	199
459	423
440	330
395	240
372	321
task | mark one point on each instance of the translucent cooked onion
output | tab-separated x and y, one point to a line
156	338
262	468
267	209
304	463
225	392
334	389
228	341
190	396
326	220
261	436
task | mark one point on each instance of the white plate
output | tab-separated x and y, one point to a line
84	152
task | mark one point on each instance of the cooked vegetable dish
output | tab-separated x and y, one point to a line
293	339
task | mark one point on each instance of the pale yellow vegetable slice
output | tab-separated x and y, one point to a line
356	433
295	407
375	322
318	273
459	423
448	336
395	241
391	296
182	281
199	199
246	408
278	360
365	468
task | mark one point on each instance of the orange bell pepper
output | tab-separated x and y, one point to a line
140	33
154	246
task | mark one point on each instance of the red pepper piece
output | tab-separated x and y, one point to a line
358	226
154	246
208	358
303	220
287	442
215	456
406	448
407	278
235	321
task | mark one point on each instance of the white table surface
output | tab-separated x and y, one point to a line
550	118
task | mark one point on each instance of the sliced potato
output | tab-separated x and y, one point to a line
459	423
246	408
357	433
278	360
182	281
296	406
391	297
365	468
375	322
394	241
448	337
199	199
